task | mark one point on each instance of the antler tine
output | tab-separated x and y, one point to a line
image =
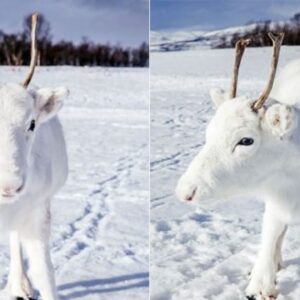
277	41
240	47
33	59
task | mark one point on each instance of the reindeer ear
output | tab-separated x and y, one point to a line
48	101
218	96
280	120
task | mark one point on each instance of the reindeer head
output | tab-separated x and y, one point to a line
22	112
244	141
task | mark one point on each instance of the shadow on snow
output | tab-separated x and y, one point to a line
95	286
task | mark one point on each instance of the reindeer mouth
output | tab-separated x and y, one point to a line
7	196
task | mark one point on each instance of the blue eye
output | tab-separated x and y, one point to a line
245	141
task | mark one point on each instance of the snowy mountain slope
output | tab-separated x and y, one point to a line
176	40
204	251
100	218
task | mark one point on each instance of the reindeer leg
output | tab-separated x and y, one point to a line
37	247
18	284
278	256
263	276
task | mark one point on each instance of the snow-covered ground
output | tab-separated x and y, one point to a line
100	218
204	251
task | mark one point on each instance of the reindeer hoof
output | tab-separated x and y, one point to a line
20	298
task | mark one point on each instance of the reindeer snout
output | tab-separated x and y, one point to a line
9	190
188	195
185	190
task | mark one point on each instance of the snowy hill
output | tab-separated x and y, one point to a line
100	218
194	39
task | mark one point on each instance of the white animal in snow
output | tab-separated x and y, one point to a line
253	148
33	166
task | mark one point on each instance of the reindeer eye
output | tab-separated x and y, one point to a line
246	141
32	125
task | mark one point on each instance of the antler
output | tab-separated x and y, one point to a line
277	41
33	58
240	47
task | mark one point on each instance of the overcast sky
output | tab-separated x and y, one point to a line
124	21
214	14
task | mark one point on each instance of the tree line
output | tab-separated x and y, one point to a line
259	34
15	50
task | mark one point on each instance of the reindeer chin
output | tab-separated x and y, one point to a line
8	200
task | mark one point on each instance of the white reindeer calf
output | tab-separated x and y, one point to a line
33	166
252	149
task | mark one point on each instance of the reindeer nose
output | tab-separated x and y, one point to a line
11	190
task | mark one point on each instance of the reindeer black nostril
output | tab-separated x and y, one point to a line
20	188
191	197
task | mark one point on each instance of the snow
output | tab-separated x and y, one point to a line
170	40
205	250
173	36
192	39
100	218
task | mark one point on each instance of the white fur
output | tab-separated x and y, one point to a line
36	161
268	169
